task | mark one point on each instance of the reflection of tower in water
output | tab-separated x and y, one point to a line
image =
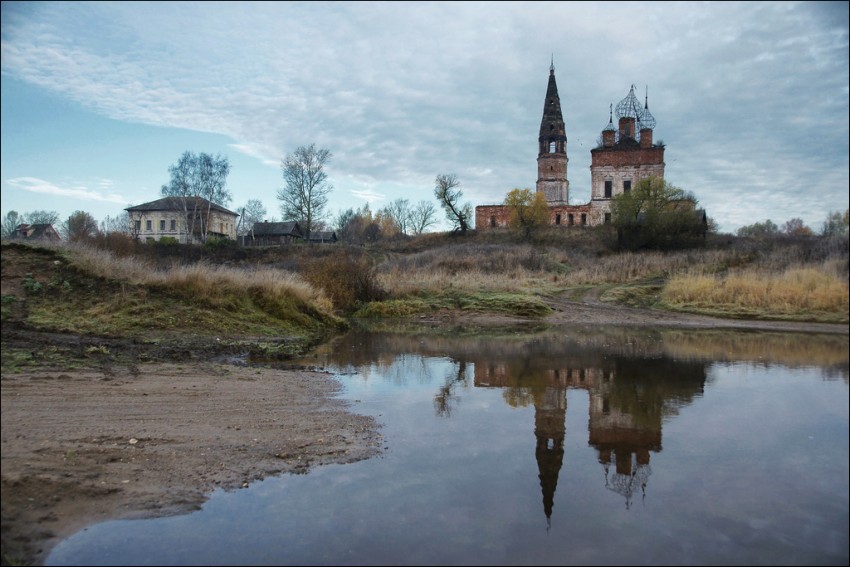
631	471
629	399
550	410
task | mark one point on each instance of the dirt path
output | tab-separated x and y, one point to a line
84	446
589	310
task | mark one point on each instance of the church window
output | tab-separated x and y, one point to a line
558	219
583	219
608	185
570	220
552	147
607	218
493	221
627	185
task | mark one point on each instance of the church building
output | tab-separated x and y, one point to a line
625	155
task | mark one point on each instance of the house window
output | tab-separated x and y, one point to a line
583	219
627	185
138	226
148	225
570	220
162	225
558	219
607	218
608	185
173	225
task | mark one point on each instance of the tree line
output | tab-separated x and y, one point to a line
654	214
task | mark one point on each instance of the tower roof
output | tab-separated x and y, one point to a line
553	121
610	126
629	107
647	120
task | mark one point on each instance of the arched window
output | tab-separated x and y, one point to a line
552	146
492	221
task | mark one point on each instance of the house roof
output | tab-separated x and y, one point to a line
45	230
323	235
176	204
277	229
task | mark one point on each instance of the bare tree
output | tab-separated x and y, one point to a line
41	217
253	212
305	193
836	223
198	181
10	224
119	223
448	195
398	212
796	227
422	216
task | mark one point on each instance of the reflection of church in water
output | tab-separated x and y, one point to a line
629	399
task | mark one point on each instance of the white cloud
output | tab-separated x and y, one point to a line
745	94
368	195
36	185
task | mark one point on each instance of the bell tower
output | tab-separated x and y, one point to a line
552	152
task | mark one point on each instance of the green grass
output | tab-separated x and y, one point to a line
515	304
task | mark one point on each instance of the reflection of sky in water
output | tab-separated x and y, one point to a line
743	463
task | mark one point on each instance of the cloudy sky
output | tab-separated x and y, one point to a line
99	99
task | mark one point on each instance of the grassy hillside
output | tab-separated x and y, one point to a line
92	292
304	290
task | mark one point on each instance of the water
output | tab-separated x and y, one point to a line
548	447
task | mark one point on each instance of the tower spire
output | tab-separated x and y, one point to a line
552	150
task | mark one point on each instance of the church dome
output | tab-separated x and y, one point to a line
629	107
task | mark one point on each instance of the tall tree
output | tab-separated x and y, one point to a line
198	181
398	212
79	226
119	223
252	212
796	227
656	214
764	229
304	195
10	223
422	216
529	211
449	195
41	217
836	223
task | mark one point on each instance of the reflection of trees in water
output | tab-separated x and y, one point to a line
446	397
379	350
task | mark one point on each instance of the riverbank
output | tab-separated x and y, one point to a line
116	439
85	445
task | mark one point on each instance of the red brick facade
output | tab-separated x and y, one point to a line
626	156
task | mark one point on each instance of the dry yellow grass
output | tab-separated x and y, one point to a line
200	279
796	290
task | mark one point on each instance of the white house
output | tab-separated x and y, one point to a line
186	219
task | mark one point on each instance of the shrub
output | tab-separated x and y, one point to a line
346	280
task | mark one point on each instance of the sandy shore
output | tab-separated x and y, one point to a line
83	446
